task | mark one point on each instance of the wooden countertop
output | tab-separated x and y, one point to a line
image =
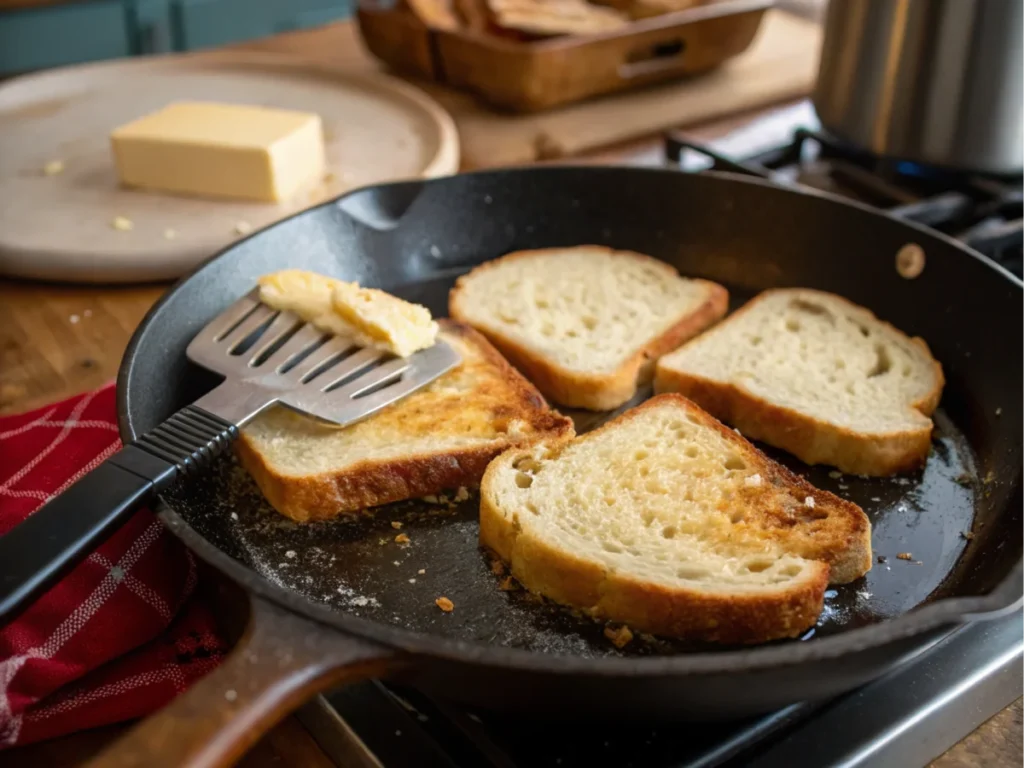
57	340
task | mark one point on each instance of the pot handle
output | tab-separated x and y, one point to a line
280	661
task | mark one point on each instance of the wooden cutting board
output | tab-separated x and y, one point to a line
61	225
780	65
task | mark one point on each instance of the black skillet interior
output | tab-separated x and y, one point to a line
959	519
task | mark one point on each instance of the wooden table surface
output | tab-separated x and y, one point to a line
58	340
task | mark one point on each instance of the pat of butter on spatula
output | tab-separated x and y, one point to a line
208	149
372	318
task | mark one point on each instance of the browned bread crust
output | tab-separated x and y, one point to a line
834	533
496	404
596	391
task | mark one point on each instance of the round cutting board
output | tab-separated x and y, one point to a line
61	225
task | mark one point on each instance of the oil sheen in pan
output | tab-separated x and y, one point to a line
357	566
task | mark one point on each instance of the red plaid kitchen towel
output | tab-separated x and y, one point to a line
127	629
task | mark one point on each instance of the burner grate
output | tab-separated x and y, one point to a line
984	212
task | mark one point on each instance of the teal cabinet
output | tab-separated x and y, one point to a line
206	23
33	38
90	30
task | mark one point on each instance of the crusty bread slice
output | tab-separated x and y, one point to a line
674	524
436	439
584	323
815	375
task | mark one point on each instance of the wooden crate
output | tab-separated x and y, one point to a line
537	75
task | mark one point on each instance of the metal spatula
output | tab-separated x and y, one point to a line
267	357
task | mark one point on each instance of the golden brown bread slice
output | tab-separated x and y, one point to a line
674	524
585	323
816	375
439	438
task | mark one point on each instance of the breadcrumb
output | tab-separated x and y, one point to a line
243	228
445	604
507	584
401	539
620	637
968	535
462	493
421	571
905	556
395	524
497	567
53	167
122	223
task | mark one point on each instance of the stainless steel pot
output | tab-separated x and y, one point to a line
932	81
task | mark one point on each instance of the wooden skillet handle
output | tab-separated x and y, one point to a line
280	661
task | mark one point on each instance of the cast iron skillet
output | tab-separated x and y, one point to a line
333	602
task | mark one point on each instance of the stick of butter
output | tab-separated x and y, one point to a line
372	318
209	149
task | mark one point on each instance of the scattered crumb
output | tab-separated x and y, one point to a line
231	694
990	477
753	481
964	479
835	474
382	542
421	571
882	559
431	499
968	535
462	493
74	319
905	556
507	584
291	553
497	567
412	581
999	411
863	594
809	502
170	234
442	499
843	487
122	223
875	498
402	539
395	562
243	227
620	637
234	515
395	524
53	167
737	431
445	604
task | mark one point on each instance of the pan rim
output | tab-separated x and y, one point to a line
1003	599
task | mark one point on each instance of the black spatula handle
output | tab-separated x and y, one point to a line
61	533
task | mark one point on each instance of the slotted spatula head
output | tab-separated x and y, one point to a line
268	356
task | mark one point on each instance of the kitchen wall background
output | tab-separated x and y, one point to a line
45	33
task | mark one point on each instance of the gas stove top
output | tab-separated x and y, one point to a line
905	719
789	148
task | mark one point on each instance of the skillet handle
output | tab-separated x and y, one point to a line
36	553
280	661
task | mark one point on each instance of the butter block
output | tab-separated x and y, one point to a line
208	149
372	318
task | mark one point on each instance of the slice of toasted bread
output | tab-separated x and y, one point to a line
584	323
674	524
550	18
815	375
439	438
